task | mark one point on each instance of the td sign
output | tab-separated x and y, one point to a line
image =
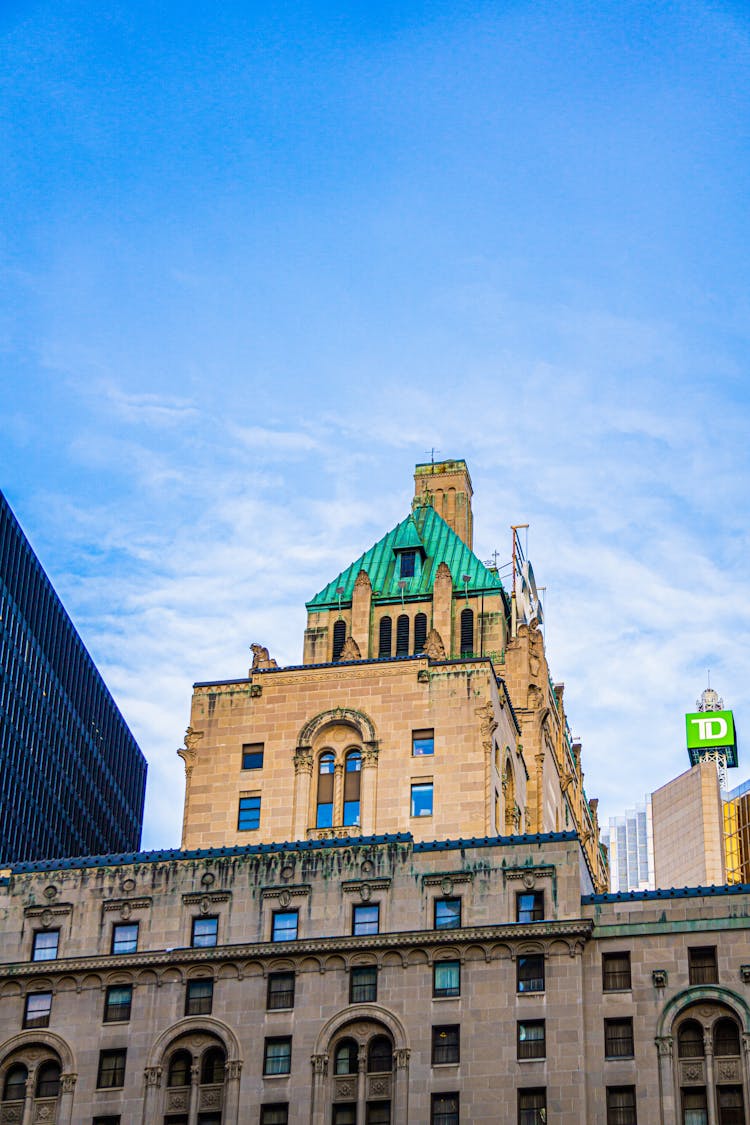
711	730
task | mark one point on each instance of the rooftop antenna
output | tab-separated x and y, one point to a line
515	528
432	453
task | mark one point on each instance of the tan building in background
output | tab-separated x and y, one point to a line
688	824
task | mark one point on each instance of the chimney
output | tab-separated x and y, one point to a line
446	486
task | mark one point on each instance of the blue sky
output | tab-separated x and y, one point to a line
256	260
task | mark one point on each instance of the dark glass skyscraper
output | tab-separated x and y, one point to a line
72	777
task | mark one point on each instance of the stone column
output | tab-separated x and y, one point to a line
400	1108
28	1105
338	794
303	767
319	1084
666	1080
152	1075
195	1077
368	791
232	1092
708	1045
362	1085
67	1086
746	1069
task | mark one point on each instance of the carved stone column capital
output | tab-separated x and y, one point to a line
664	1046
153	1075
370	752
319	1064
68	1083
303	760
401	1057
234	1069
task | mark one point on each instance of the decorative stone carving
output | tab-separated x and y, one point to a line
350	650
128	885
261	659
287	872
303	760
177	1099
401	1057
50	892
659	977
692	1072
664	1045
152	1075
745	974
68	1083
346	1088
487	725
189	751
379	1087
728	1070
208	879
234	1069
284	899
434	649
319	1064
367	867
370	753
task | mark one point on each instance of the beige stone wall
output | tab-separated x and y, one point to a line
689	830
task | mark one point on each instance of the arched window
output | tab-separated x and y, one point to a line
385	639
339	636
379	1055
467	632
420	632
212	1066
179	1069
48	1080
14	1087
690	1040
726	1037
326	766
402	635
352	779
345	1059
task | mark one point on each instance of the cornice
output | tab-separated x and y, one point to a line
513	932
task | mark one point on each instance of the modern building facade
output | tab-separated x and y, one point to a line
630	844
72	778
390	907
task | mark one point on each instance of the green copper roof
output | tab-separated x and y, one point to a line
424	529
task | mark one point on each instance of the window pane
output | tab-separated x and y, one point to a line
447	913
446	979
366	920
530	906
423	743
444	1109
378	1113
252	756
248	817
702	965
531	1039
421	800
363	985
199	997
45	945
615	971
621	1105
618	1038
530	973
280	990
278	1056
351	813
284	925
125	938
532	1107
445	1044
38	1008
205	931
345	1114
117	1003
111	1069
324	816
408	559
274	1114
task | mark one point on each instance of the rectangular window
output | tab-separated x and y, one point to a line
621	1105
444	1109
446	979
277	1055
248	818
199	996
731	1110
117	1003
252	756
38	1009
616	972
408	561
108	1119
531	1042
365	920
702	966
532	1107
45	945
446	1044
205	931
345	1114
694	1107
421	799
276	1113
111	1073
529	906
422	743
363	984
378	1113
618	1038
447	913
280	991
125	937
530	973
285	925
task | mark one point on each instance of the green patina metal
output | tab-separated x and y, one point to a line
427	533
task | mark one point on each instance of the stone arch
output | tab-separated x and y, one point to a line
362	1013
36	1037
709	993
357	719
194	1025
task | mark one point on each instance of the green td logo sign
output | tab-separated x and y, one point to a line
709	729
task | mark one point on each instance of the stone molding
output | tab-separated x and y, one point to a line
285	894
443	878
365	887
126	906
47	913
529	875
197	898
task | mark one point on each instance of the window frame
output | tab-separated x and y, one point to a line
524	957
532	1092
253	750
425	735
109	1005
372	985
118	1056
197	1005
246	807
36	950
198	941
38	1020
273	1041
610	974
275	916
364	928
417	788
446	993
615	1113
526	1052
527	916
451	924
275	978
705	971
130	944
451	1032
623	1024
265	1119
445	1117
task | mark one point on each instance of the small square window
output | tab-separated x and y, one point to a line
199	997
421	799
531	1042
205	931
276	1113
248	818
702	968
621	1105
280	991
444	1109
285	925
111	1073
422	743
530	906
252	756
365	920
363	984
446	1044
117	1003
616	972
447	913
532	1107
125	937
530	973
277	1055
408	563
618	1039
446	979
45	945
38	1009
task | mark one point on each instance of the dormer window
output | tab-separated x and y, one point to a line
408	563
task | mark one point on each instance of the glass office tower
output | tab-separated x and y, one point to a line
72	777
